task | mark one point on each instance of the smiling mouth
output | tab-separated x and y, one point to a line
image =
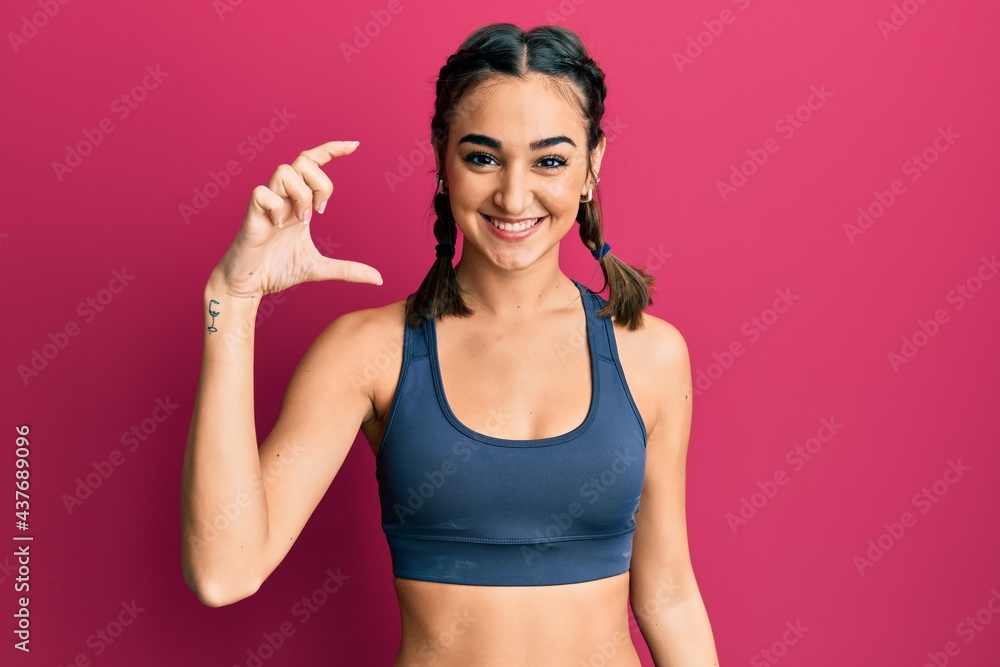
513	226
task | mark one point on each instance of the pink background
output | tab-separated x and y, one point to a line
676	132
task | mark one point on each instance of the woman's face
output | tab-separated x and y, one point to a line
517	153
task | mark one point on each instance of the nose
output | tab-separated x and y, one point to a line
514	191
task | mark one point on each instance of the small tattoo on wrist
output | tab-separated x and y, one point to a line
214	314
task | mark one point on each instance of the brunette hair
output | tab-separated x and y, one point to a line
506	49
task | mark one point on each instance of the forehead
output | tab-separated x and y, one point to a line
517	111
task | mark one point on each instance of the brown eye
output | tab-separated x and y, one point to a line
559	162
471	159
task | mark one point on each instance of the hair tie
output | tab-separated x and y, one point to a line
444	250
598	253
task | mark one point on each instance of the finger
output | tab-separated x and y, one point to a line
327	268
315	179
331	149
264	202
322	154
288	183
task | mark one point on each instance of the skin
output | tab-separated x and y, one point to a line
500	361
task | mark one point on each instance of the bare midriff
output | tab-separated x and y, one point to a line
448	625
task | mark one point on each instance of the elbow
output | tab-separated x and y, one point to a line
655	595
216	577
217	592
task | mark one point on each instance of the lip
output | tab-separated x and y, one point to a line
512	236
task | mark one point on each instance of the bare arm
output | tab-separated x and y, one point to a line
224	509
664	594
244	506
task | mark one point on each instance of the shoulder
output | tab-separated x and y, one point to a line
360	330
368	321
657	367
362	342
658	343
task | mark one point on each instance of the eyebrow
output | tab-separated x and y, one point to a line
490	142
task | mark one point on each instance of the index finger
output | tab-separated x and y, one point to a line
326	152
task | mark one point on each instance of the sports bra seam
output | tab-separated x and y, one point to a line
613	348
510	541
404	367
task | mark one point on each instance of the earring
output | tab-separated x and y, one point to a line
590	193
442	190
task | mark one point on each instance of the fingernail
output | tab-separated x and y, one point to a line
306	215
322	207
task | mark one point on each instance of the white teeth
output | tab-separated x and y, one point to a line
513	227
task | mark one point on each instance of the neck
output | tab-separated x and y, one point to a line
510	294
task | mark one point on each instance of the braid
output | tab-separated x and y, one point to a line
439	294
628	286
596	75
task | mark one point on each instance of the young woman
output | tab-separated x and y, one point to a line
530	437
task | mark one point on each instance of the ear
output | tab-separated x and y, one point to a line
596	156
438	158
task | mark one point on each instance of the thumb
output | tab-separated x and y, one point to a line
328	268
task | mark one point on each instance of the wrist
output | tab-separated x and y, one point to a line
228	317
218	288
